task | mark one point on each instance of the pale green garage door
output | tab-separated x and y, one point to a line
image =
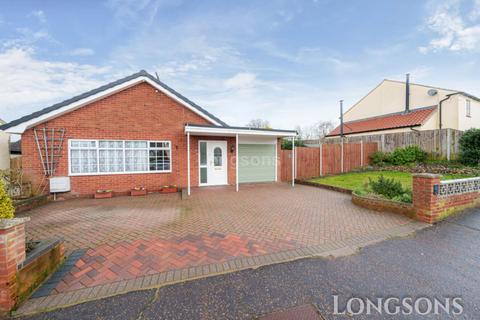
257	163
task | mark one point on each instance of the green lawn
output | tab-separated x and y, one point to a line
353	180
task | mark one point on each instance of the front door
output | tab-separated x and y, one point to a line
213	163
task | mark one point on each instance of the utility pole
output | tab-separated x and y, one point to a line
341	119
341	133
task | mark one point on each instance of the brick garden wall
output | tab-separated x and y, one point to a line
431	206
19	274
36	270
379	204
12	254
137	113
428	205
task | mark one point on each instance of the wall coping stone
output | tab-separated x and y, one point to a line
42	248
9	223
426	175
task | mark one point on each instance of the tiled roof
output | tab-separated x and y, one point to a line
141	73
415	117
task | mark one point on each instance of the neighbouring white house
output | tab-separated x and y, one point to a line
397	106
4	149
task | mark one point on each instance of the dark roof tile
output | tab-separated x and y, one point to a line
141	73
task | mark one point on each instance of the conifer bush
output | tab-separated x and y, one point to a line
7	209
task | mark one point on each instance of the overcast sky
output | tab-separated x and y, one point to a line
288	62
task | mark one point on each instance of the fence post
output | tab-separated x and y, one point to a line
293	161
341	157
448	144
361	153
321	160
383	142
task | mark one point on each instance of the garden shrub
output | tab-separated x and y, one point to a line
379	158
6	207
405	197
387	187
407	155
470	147
287	144
399	157
390	189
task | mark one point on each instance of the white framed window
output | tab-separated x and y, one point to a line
97	157
83	157
159	155
468	108
110	156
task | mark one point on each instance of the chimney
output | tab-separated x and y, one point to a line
407	94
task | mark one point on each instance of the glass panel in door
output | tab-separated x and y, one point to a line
203	163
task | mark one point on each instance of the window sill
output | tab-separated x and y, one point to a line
115	173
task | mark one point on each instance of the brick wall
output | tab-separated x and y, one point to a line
12	254
431	207
380	204
139	112
428	206
38	267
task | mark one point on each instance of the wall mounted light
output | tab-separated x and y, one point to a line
232	148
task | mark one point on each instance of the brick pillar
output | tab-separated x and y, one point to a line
424	200
12	254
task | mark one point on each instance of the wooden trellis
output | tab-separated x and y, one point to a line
49	145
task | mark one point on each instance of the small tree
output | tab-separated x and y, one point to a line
470	147
259	124
6	207
287	144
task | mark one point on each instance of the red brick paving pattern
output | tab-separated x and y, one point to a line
269	217
127	260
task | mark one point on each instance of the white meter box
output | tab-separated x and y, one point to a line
59	184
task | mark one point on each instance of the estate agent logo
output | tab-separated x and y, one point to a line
394	306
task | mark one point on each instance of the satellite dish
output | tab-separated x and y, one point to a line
432	92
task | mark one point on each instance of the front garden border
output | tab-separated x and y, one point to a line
31	203
432	200
323	186
379	204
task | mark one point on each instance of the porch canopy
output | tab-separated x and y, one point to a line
250	140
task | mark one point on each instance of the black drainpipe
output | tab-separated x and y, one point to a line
440	121
407	94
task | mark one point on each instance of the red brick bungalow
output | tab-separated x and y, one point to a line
137	131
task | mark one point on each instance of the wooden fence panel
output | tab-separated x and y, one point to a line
440	143
308	159
310	163
286	165
368	149
332	157
352	156
16	163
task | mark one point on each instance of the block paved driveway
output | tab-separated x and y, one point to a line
128	237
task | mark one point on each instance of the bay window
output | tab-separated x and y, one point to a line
90	157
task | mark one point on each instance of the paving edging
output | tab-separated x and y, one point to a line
334	249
